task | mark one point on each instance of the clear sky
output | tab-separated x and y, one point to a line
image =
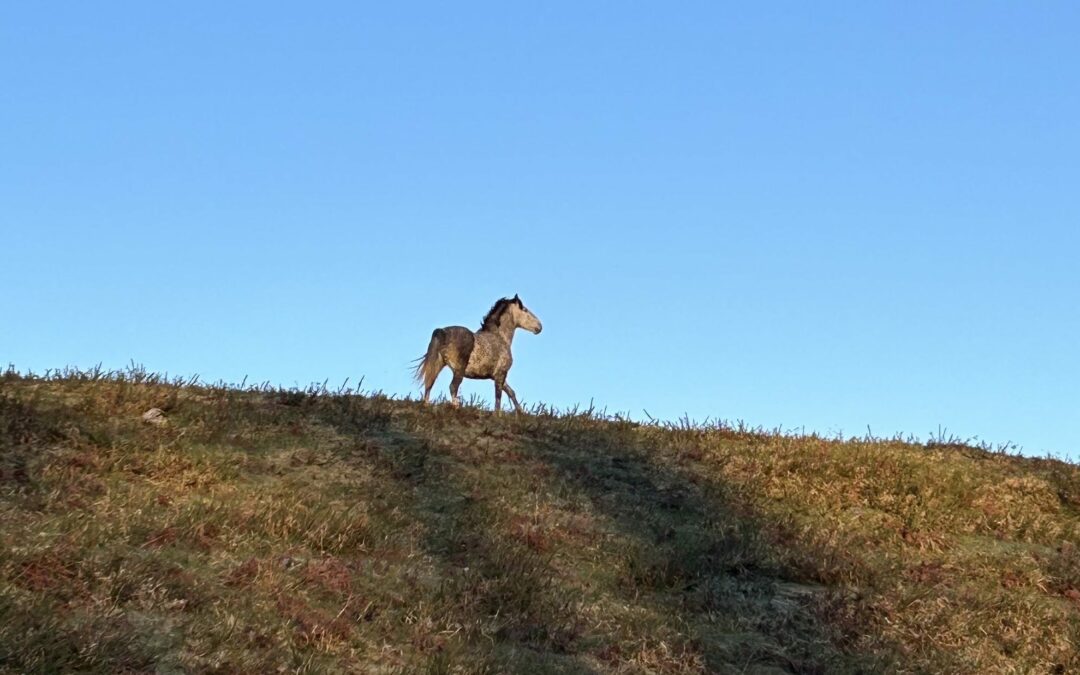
819	215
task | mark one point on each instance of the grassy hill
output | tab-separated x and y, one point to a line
284	531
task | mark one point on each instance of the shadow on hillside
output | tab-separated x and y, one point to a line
691	557
495	591
25	426
690	564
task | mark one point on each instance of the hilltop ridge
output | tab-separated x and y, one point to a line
256	529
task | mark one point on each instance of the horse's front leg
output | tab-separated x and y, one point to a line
513	397
498	394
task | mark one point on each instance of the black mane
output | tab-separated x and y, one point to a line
494	315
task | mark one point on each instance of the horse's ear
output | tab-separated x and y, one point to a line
517	299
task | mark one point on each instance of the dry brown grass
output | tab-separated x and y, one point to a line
335	532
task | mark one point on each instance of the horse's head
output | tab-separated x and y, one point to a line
523	318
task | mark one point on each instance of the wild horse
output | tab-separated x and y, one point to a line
483	355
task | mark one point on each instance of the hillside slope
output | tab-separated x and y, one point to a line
267	531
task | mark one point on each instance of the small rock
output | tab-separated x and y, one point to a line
288	562
154	416
792	590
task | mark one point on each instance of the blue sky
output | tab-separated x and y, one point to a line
819	215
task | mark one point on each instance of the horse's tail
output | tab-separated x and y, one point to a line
431	363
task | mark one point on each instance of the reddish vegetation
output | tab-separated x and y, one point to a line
529	532
926	573
311	624
330	574
44	573
244	573
162	538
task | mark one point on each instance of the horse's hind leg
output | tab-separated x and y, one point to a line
510	393
431	374
454	384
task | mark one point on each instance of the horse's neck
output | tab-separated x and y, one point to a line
505	330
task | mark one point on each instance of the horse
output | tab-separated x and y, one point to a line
483	355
